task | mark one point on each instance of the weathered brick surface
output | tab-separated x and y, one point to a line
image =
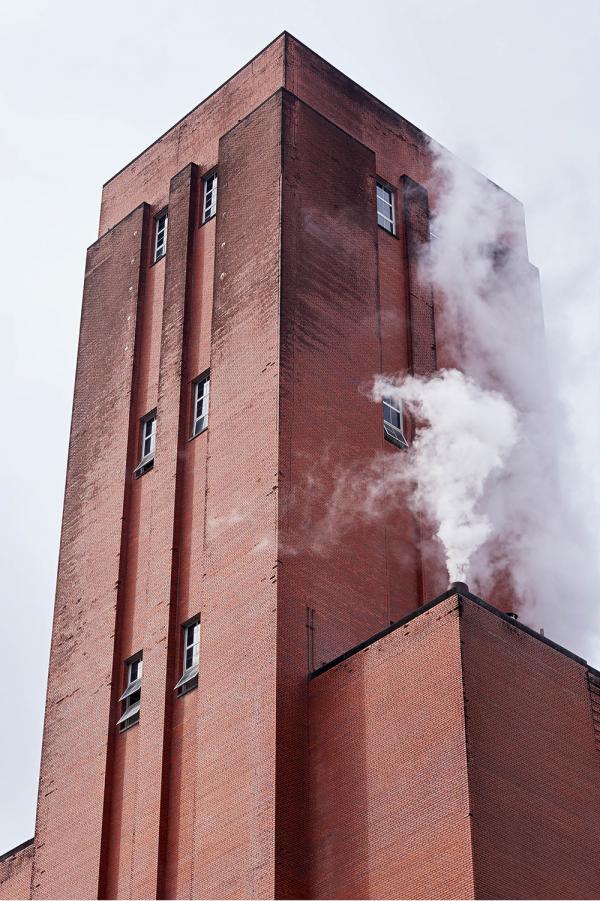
454	757
137	868
78	701
183	753
15	874
234	784
534	768
389	800
330	346
295	299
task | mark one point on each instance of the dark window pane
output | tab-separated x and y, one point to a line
391	415
134	698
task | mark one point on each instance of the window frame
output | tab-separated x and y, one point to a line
131	697
203	379
159	252
189	677
211	178
384	186
393	431
146	461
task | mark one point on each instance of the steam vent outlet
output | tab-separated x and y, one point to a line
459	587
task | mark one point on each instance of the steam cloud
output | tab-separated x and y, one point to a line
496	464
488	297
463	439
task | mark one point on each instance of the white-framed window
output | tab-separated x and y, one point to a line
147	440
386	217
393	422
132	696
209	201
191	656
161	225
201	397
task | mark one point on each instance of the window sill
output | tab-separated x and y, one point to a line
395	436
129	724
188	686
391	234
143	467
197	435
158	259
210	218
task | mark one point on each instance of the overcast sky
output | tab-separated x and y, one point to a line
509	85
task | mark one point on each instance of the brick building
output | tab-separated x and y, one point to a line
240	705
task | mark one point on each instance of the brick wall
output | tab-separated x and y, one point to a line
534	768
389	801
79	687
234	780
455	757
15	872
295	299
195	138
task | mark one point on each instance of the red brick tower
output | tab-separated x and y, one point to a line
186	754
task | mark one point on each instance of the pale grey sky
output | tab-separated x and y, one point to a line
509	85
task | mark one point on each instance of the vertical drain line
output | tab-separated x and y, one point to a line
310	638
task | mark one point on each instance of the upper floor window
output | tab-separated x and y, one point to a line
209	203
201	395
148	440
161	224
393	422
132	696
191	656
385	208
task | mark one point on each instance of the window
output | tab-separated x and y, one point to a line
191	657
385	208
161	224
393	424
209	205
148	438
201	393
131	697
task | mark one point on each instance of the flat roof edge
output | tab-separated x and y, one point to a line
194	108
464	595
16	849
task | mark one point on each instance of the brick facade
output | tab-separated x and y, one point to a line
295	299
15	872
454	757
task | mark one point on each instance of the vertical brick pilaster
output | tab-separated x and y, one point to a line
70	810
421	322
161	587
422	354
328	427
234	841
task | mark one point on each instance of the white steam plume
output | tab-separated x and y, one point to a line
488	307
463	437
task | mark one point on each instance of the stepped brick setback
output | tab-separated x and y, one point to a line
344	735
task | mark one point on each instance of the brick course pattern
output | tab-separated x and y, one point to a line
294	299
454	758
15	872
